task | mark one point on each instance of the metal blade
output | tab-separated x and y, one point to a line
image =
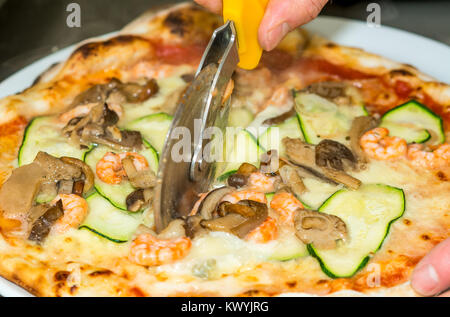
182	178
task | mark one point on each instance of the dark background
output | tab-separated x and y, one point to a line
32	29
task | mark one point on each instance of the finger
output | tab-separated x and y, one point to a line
432	274
283	16
212	5
445	294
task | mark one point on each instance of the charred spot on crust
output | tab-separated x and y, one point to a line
442	176
100	273
330	45
61	276
73	289
176	23
136	291
400	72
320	282
89	49
291	284
425	237
407	222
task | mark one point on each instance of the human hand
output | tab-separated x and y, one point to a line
432	274
281	17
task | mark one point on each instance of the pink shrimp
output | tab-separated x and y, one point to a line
237	196
75	210
264	233
285	204
148	250
438	158
110	170
260	182
378	145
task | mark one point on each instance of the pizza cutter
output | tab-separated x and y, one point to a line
186	169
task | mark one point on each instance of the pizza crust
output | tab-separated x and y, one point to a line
46	274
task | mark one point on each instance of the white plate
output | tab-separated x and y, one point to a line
429	56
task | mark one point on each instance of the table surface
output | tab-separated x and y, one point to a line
32	29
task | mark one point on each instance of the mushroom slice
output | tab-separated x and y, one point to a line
87	172
361	125
342	177
332	154
241	208
19	192
65	186
41	227
138	179
292	179
260	215
318	228
174	230
300	152
135	93
240	178
281	118
224	224
209	204
138	199
270	162
193	227
57	169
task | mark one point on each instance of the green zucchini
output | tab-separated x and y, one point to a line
117	194
109	222
154	128
415	123
272	138
239	148
322	119
368	213
44	134
240	117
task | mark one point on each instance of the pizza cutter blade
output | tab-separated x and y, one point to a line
186	168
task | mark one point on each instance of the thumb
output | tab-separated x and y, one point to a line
283	16
432	274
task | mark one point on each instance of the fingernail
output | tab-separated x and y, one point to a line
275	35
426	280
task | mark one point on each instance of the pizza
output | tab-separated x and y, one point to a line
348	190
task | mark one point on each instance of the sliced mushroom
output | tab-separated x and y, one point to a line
78	187
65	187
138	179
240	178
224	224
260	215
41	227
139	93
318	228
87	172
304	156
292	179
193	227
139	199
242	208
19	192
270	162
281	118
174	230
361	125
333	154
57	169
327	89
209	204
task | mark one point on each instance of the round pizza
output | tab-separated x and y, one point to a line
339	182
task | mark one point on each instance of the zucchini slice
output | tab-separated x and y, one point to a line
415	123
109	222
243	148
272	138
368	214
44	134
240	117
117	194
322	119
154	128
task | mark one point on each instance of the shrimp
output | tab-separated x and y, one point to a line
110	170
245	195
280	97
438	158
285	204
260	182
151	251
265	232
75	210
378	145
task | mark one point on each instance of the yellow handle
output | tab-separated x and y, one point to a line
247	16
